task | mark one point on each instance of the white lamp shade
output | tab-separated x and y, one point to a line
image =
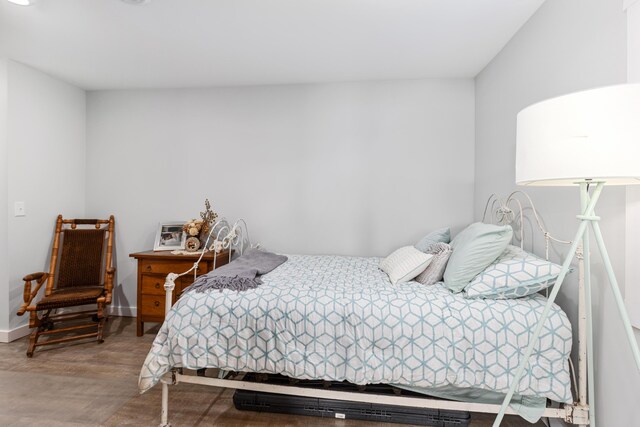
593	134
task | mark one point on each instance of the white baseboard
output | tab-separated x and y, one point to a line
9	335
123	311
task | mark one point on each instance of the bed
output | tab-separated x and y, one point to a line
340	318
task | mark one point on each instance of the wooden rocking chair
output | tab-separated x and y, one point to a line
75	278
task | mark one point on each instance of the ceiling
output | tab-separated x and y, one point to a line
108	44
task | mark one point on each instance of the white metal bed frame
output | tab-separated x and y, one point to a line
502	211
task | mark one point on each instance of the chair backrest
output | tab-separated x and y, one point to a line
82	260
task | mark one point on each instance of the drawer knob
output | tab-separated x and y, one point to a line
148	268
156	303
157	285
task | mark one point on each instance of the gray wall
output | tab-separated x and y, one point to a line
350	168
45	142
566	46
4	256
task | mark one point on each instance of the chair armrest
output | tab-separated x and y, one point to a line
29	295
34	276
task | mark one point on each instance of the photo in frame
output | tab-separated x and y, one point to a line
170	236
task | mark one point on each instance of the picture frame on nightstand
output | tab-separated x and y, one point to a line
170	236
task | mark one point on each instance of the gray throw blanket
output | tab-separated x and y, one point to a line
240	274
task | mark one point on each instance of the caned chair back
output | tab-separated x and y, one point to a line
82	260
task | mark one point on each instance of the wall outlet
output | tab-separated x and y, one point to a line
19	209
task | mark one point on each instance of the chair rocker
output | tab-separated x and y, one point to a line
80	273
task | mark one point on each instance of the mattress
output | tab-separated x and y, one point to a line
339	318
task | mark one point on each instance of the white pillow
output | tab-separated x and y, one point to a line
405	264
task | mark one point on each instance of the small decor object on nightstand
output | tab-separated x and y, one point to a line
197	230
192	244
193	229
208	217
170	236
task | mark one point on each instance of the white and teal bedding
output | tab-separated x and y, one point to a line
339	318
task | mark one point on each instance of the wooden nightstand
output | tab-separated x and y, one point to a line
153	268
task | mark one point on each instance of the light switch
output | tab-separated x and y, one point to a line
19	209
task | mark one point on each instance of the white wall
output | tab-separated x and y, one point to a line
352	168
4	258
566	46
45	124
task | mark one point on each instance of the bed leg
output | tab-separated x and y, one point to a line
164	417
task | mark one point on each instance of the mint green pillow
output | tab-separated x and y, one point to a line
474	248
443	235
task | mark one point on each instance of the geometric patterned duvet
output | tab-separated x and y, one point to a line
339	318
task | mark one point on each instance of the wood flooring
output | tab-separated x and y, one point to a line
90	384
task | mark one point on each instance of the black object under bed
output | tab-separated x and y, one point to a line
339	409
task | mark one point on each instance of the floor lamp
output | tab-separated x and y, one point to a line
587	139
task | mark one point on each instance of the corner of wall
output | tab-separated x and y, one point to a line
4	258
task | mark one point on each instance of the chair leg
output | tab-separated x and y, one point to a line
40	325
33	339
100	319
101	330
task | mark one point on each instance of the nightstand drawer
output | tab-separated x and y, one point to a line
166	267
153	284
153	305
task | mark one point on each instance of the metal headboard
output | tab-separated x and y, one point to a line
228	237
511	211
234	238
